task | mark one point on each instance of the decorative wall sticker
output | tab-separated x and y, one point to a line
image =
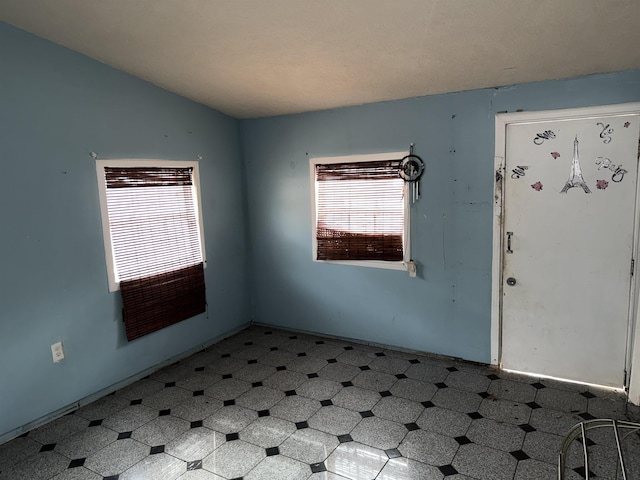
555	155
606	132
537	186
519	171
541	137
626	124
575	177
618	172
602	184
603	162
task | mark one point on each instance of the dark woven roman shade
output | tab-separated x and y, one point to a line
156	246
152	303
359	211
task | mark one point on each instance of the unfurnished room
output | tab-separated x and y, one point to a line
319	240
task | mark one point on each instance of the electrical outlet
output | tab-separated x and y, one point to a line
57	352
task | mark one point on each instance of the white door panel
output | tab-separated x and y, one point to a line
569	203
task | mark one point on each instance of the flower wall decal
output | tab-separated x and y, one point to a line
601	184
555	155
626	124
537	186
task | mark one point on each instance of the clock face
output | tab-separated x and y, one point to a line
411	168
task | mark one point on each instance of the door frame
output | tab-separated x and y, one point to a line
502	120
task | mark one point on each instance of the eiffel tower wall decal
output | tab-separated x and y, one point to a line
575	177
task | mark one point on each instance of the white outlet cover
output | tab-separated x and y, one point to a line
57	352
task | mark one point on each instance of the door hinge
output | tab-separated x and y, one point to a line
633	264
624	382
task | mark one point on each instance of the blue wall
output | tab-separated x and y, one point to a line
447	310
56	106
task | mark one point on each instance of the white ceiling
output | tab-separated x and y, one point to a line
256	58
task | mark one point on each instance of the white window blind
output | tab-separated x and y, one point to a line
152	220
360	211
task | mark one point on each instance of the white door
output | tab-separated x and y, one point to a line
569	209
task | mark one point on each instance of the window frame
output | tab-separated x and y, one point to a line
114	285
406	235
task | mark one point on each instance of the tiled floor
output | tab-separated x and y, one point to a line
267	404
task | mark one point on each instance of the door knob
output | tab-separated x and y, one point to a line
511	281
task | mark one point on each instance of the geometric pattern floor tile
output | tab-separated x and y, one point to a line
272	404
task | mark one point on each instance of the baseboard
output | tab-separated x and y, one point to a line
5	437
371	344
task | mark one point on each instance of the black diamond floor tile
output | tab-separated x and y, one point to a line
393	453
463	440
157	449
527	428
447	470
271	451
318	467
77	462
519	455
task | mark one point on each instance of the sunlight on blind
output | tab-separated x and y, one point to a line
361	206
154	229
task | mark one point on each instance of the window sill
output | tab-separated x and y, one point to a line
402	266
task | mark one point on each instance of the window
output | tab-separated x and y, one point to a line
360	210
154	246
